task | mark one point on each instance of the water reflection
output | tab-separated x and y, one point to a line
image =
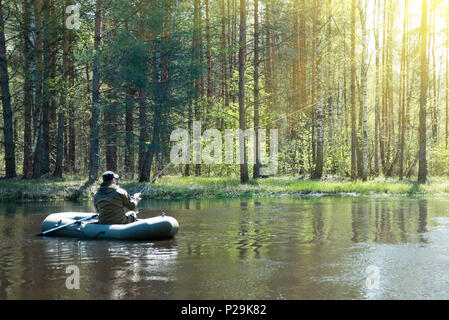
239	249
131	270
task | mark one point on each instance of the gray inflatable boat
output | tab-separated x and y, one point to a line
156	228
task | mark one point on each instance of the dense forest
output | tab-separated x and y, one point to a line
356	89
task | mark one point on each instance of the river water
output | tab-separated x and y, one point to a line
310	248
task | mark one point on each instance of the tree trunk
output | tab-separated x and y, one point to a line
402	92
435	110
319	161
384	124
313	89
377	94
447	79
189	130
224	69
302	72
53	47
209	60
48	54
268	58
110	128
364	71
10	161
28	91
353	111
303	57
161	94
197	57
422	168
129	128
242	112
143	131
256	168
63	104
38	112
71	109
388	84
295	67
60	142
230	46
94	126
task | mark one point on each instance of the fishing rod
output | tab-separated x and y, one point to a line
146	187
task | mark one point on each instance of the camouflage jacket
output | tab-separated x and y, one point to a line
112	203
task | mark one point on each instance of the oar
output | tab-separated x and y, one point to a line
43	233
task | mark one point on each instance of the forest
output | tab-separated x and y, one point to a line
356	89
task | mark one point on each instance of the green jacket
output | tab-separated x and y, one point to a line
112	203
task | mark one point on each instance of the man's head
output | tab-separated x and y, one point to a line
109	177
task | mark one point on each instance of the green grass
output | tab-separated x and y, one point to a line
198	187
205	187
42	189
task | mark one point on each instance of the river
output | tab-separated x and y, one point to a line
276	248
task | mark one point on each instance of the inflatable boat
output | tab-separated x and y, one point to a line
156	228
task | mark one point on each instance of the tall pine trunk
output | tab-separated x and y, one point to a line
353	110
364	109
10	160
242	111
435	110
129	128
161	95
209	91
403	91
59	168
268	56
27	90
256	167
302	72
197	58
319	161
422	168
143	131
110	129
447	79
38	112
377	94
94	126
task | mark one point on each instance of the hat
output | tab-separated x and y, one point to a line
109	175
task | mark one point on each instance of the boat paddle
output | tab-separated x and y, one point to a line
43	233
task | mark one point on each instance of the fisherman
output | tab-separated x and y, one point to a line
113	203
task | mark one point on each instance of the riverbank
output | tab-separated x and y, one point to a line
203	187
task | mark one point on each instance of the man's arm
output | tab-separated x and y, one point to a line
129	202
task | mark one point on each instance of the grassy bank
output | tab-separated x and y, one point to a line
199	187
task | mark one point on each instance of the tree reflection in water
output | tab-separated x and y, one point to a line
309	248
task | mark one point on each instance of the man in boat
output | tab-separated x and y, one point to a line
113	204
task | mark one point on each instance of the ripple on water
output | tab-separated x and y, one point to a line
274	249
